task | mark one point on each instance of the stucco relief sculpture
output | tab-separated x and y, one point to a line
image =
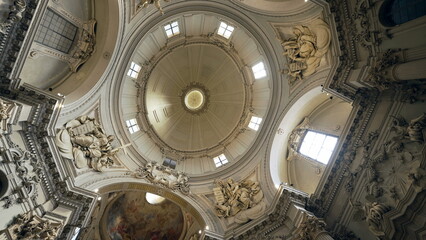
84	47
241	200
412	131
28	227
5	110
295	138
306	48
165	176
85	141
310	228
392	170
15	14
374	217
156	3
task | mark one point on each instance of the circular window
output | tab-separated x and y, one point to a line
194	99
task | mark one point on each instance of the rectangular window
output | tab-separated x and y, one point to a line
318	146
172	29
132	125
134	70
259	70
56	32
225	30
255	123
169	163
220	160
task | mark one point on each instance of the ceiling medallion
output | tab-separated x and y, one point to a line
195	98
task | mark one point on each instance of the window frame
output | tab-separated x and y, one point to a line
221	162
131	126
172	29
257	124
53	31
167	162
225	29
262	70
133	70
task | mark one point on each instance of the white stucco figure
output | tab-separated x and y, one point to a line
306	48
240	199
85	141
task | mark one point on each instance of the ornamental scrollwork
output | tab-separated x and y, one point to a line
391	170
27	227
15	15
164	176
310	227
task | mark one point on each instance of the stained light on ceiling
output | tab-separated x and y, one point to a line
220	160
225	30
318	146
153	198
259	70
172	29
132	125
134	70
255	123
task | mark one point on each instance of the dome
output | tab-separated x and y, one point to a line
195	91
194	98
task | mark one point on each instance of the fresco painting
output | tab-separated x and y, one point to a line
131	217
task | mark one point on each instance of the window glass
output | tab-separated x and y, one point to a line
134	70
132	125
56	32
255	123
225	30
220	160
318	146
172	29
259	70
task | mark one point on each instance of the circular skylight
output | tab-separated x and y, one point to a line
194	99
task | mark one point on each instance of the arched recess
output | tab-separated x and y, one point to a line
108	18
117	182
320	107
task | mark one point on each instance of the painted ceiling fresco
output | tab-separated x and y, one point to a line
131	217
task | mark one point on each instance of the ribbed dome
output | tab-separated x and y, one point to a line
195	97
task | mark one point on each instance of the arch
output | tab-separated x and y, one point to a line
291	119
116	182
108	29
